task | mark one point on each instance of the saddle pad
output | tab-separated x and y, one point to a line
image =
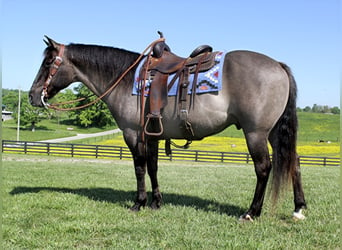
207	81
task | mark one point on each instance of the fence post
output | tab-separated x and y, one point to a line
247	158
222	157
48	148
96	151
72	150
324	161
196	155
25	147
120	153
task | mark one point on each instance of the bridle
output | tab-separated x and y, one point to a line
53	70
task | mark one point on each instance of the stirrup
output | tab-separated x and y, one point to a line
151	116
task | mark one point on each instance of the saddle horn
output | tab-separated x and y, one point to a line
160	47
160	34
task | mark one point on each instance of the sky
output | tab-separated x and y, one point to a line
304	34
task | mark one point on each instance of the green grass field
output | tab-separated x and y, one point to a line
65	203
46	129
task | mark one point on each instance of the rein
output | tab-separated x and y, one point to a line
58	61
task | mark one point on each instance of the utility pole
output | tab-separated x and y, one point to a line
18	126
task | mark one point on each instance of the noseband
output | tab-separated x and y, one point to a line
53	70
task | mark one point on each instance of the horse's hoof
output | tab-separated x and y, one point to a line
155	205
246	218
135	208
298	215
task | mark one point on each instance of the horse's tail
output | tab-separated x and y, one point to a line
284	135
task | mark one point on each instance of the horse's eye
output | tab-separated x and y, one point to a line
48	63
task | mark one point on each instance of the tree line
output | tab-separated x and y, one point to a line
96	115
320	109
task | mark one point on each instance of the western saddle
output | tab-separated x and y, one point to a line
158	68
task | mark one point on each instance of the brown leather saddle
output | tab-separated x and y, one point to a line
161	65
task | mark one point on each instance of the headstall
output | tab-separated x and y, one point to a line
53	70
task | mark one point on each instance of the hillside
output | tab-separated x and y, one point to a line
312	128
319	134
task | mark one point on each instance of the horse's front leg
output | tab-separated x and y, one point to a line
139	158
152	168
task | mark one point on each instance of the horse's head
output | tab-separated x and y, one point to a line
55	74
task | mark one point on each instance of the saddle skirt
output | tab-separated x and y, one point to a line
207	81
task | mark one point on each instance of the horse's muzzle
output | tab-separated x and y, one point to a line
35	101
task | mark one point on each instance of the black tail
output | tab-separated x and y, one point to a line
284	143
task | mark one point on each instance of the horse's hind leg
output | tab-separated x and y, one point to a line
298	192
257	146
152	168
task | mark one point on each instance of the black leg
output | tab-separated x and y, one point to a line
140	171
299	200
298	192
257	146
152	168
139	157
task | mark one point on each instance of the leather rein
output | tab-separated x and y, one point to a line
58	60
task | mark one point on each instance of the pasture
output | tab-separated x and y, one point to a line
66	203
313	128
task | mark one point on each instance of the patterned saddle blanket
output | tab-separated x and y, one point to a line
207	81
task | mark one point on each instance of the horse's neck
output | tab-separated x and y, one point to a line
99	74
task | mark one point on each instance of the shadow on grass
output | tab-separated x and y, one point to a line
122	197
29	128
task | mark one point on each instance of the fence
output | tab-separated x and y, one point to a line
116	152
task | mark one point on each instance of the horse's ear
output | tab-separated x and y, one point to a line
49	42
46	42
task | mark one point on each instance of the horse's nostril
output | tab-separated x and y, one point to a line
31	99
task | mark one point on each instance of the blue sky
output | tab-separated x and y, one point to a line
305	34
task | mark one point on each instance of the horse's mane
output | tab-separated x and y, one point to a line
107	60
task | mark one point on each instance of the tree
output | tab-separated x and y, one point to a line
95	115
316	108
307	109
10	99
335	110
29	115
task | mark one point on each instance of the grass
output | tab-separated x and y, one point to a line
315	126
63	203
312	127
46	129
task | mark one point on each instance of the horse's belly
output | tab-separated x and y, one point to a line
202	123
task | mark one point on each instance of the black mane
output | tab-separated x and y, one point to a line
108	61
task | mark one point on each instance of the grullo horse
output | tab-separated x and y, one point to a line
258	95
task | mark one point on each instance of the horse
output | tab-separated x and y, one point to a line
258	95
